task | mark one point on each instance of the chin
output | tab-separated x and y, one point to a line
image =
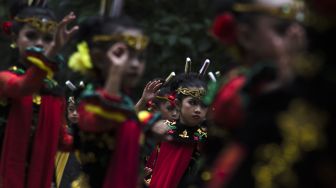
131	83
193	124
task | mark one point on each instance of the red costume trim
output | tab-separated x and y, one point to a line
19	90
124	164
228	104
172	162
123	167
226	165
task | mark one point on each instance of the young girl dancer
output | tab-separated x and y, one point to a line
111	51
35	120
177	158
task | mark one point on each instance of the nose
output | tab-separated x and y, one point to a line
174	114
135	63
198	109
39	43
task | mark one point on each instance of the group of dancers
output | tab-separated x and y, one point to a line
267	122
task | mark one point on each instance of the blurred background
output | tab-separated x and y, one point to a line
177	29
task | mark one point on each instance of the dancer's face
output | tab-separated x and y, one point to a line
192	111
31	37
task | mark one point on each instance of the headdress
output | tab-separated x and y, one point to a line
80	61
204	68
41	24
187	67
112	9
44	25
193	92
224	26
74	91
212	77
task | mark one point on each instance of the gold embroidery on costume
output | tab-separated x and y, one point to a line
81	182
37	99
184	134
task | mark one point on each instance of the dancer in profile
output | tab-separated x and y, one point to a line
272	109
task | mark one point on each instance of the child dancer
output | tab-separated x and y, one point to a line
67	165
177	158
111	51
35	124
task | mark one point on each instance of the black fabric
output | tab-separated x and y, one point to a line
71	171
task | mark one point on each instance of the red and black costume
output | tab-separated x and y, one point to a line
286	138
35	125
177	159
110	139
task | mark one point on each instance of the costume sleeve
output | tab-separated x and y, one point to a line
101	112
66	140
15	86
228	104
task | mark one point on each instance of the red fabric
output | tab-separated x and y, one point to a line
153	157
109	97
15	86
123	169
15	149
228	104
17	135
225	165
15	146
46	142
171	164
90	122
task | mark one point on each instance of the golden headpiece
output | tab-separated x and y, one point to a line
42	24
193	92
292	11
138	42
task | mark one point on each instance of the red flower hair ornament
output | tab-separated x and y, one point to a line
7	27
170	98
224	28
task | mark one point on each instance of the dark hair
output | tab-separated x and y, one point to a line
104	25
187	81
25	11
163	92
98	25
